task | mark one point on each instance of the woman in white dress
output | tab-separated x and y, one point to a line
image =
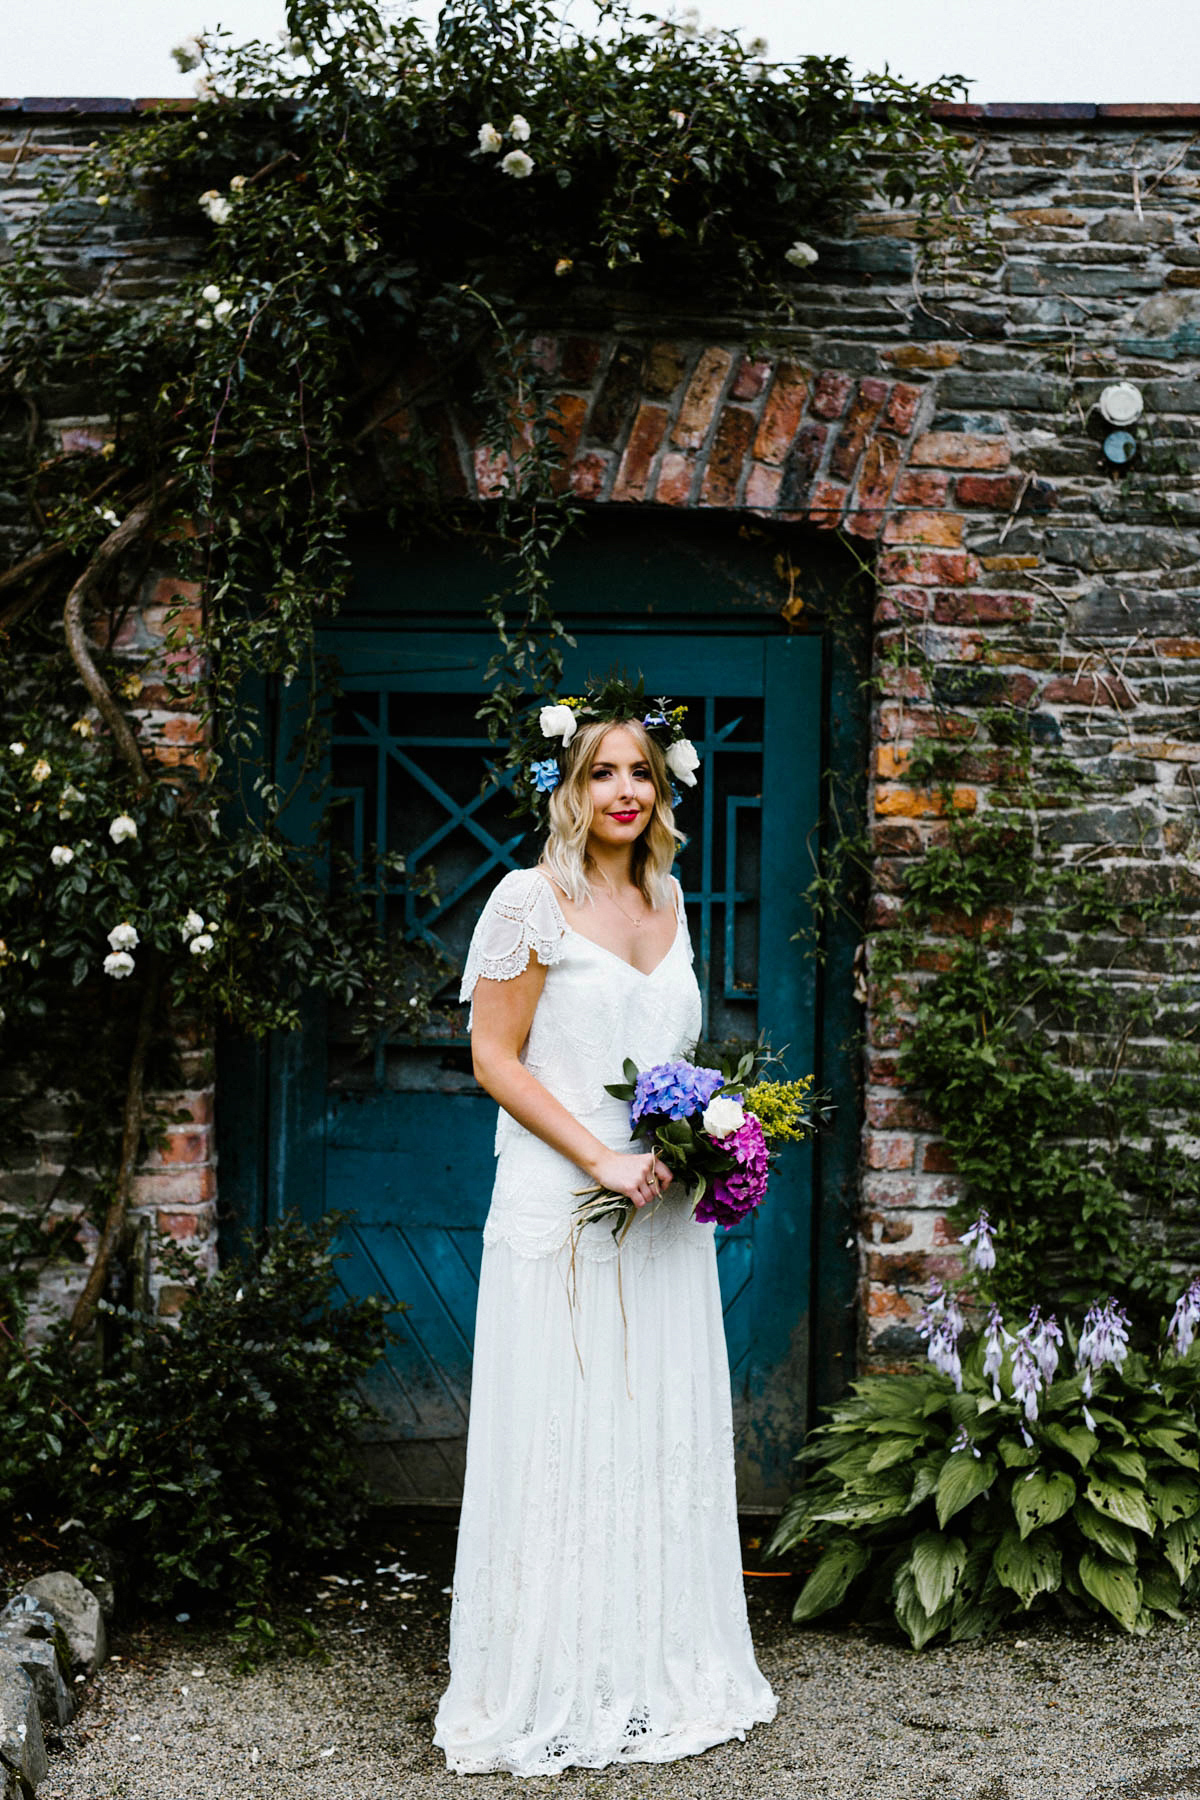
598	1614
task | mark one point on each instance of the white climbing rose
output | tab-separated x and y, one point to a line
192	926
119	965
722	1115
40	771
123	936
211	293
518	165
518	131
215	205
62	855
683	761
558	722
489	140
801	255
201	944
122	827
17	749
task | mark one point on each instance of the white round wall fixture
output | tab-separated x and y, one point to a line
1121	403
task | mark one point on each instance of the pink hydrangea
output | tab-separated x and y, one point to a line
743	1187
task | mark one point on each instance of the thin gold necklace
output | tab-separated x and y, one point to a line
620	908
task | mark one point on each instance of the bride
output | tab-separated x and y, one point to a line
598	1614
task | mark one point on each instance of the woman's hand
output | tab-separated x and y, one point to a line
639	1178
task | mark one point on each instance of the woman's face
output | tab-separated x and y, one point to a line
622	789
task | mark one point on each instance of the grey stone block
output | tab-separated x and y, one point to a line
77	1611
38	1656
22	1746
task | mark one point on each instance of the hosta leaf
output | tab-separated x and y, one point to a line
1182	1546
1116	1540
1171	1444
1115	1587
926	1479
1160	1589
1039	1498
1174	1496
863	1509
1029	1566
1125	1462
1076	1440
1015	1454
936	1562
825	1587
1118	1499
889	1451
963	1478
911	1615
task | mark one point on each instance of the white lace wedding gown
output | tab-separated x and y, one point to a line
598	1613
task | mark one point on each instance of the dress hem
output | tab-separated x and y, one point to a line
663	1747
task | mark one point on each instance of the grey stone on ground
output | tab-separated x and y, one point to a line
77	1610
1042	1712
38	1656
22	1747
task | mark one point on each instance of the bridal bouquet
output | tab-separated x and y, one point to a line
715	1130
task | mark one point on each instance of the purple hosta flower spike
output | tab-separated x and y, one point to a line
1045	1342
981	1252
962	1441
941	1326
993	1350
1185	1321
1026	1374
1104	1339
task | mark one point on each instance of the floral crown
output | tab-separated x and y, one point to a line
540	737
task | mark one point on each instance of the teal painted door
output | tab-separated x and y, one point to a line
402	1140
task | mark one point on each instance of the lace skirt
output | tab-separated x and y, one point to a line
598	1613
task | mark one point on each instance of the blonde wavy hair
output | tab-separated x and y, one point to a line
565	855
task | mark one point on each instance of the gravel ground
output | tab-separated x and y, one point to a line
1048	1715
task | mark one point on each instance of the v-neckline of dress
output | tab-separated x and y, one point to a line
572	931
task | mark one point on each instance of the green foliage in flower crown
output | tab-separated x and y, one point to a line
213	1452
927	1506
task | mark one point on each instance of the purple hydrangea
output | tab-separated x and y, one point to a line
744	1187
674	1090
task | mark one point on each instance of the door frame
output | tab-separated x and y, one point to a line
265	1091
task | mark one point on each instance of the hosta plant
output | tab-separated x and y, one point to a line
991	1483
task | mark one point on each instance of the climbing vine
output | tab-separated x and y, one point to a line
373	216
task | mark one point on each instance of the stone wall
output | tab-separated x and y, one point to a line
944	422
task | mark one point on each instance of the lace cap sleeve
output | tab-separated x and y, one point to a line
521	915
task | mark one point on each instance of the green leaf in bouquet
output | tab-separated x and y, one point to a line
631	1071
1041	1497
840	1562
936	1563
1116	1540
620	1090
1076	1440
1113	1586
1029	1566
1173	1496
963	1478
1171	1444
911	1616
1120	1499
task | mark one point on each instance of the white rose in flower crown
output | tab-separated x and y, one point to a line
558	722
122	827
119	965
683	761
123	936
61	855
722	1115
489	140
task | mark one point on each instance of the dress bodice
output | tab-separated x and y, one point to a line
595	1010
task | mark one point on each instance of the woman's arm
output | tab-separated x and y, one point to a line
503	1014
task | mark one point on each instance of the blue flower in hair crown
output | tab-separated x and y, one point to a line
541	736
